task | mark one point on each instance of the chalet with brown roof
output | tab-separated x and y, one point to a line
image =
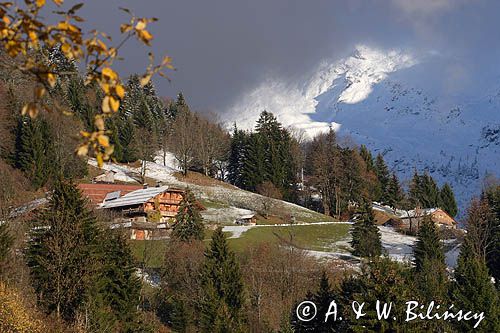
98	192
411	219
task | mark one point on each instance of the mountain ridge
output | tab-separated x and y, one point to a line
384	100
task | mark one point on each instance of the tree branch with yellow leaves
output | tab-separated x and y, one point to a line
22	32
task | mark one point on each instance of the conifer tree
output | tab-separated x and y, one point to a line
254	169
365	234
381	279
34	150
367	157
415	190
115	293
430	192
322	298
126	138
430	266
61	251
236	158
188	221
473	290
424	191
448	201
222	303
384	177
492	196
394	192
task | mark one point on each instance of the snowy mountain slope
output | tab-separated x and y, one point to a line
398	105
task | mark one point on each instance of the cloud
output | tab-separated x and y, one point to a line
425	7
223	49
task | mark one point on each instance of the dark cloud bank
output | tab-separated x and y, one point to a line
222	47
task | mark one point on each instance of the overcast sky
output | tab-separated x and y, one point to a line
223	47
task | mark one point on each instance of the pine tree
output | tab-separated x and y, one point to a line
254	169
383	175
365	234
236	158
34	150
424	191
395	193
430	192
126	138
221	307
188	221
430	266
415	191
61	251
274	155
322	298
492	196
448	201
381	279
115	293
367	157
473	291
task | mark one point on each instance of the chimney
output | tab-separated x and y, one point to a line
145	186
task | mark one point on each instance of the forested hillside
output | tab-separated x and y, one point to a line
226	230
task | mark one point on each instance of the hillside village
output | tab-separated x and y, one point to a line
122	210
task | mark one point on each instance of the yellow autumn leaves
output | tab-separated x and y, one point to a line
21	31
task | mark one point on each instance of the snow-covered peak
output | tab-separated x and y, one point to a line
396	104
293	102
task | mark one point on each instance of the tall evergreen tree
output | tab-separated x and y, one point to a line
61	250
430	263
492	196
384	177
448	202
395	193
424	191
221	307
254	169
322	298
384	280
188	221
365	234
473	290
34	150
236	158
113	297
126	139
367	157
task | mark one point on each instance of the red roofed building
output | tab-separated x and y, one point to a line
97	192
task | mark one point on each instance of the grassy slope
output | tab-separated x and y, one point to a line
320	237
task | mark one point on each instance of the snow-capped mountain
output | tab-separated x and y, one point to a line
403	106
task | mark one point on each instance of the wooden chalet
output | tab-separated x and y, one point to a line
411	219
248	219
438	216
159	204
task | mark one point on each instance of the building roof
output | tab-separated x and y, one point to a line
135	198
97	192
416	212
245	217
